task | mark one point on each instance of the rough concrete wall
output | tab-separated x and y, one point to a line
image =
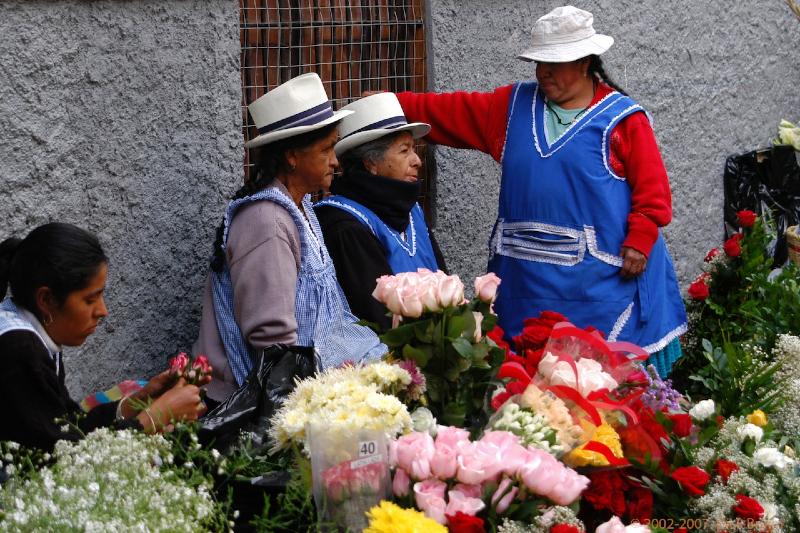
123	117
717	78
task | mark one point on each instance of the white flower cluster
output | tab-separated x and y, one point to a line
544	522
531	428
422	420
109	481
702	410
769	476
354	397
787	352
591	376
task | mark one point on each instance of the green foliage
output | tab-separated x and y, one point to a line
738	381
457	368
748	302
291	511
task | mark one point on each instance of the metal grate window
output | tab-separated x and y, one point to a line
354	46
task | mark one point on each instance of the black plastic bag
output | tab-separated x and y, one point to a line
252	405
767	182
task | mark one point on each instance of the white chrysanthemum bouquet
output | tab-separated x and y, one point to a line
351	397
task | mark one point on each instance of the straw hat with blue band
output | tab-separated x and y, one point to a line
372	118
298	106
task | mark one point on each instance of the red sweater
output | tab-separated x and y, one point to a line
478	121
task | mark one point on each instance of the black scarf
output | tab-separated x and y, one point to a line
388	198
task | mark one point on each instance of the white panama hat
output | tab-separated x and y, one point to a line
565	34
373	117
298	106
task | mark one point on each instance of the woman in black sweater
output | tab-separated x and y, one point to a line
373	225
57	276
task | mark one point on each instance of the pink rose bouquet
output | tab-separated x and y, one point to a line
445	335
495	473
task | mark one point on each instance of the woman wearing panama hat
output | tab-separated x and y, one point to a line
272	280
583	194
373	225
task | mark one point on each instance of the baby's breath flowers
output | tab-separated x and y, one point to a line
109	481
756	467
348	397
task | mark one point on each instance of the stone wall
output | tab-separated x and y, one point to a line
124	118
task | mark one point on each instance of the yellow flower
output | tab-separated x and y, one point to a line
389	518
604	434
757	418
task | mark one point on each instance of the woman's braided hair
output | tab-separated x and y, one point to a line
596	67
268	161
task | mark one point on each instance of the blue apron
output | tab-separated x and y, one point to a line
416	251
562	218
324	320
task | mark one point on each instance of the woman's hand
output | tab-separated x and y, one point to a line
180	403
132	404
633	262
158	384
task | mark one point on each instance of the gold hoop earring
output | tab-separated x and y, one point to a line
48	319
292	168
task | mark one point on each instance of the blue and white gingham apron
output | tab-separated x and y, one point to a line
324	320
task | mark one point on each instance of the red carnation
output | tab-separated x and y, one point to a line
737	236
699	290
712	253
551	318
532	337
640	504
464	523
725	469
496	335
692	479
532	359
732	246
746	218
747	508
606	491
680	530
565	528
681	424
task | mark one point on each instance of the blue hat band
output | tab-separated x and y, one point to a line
387	124
308	117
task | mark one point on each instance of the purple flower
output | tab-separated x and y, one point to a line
660	393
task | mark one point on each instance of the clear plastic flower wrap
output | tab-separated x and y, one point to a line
350	471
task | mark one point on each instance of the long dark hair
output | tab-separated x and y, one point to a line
268	162
59	256
596	68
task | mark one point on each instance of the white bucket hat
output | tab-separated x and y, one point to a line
565	34
298	106
372	118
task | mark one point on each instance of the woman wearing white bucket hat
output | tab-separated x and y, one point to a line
373	225
583	194
272	280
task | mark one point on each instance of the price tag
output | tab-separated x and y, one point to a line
367	448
